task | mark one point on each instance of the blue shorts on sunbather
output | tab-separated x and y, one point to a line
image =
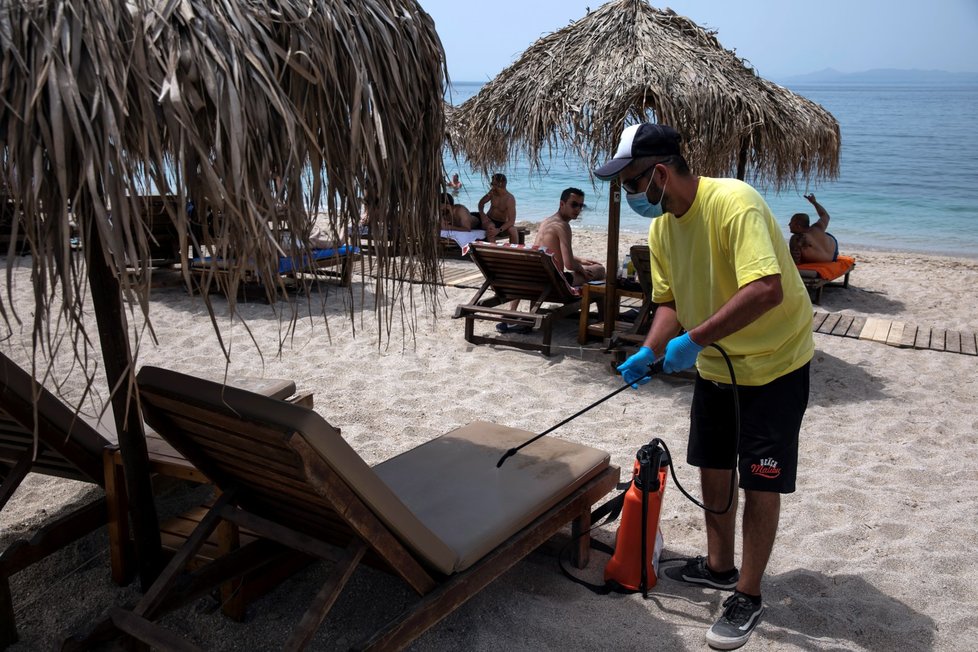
835	254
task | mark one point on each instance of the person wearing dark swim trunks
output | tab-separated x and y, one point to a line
500	217
812	244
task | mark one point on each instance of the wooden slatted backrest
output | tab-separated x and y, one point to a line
234	451
522	272
69	447
284	461
642	260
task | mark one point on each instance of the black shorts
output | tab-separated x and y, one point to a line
770	420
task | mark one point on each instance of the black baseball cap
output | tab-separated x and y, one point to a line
640	140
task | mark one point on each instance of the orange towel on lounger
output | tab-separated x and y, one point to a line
832	270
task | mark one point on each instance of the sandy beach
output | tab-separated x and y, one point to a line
875	549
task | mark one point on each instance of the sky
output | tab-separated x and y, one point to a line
780	38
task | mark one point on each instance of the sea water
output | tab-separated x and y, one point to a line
908	177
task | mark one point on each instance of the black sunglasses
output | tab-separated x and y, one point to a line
629	185
576	204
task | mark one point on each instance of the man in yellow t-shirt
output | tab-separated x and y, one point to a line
722	271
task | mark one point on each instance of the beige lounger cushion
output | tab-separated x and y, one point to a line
453	486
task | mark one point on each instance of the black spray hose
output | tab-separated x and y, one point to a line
733	473
654	368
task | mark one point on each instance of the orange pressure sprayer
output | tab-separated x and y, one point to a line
635	562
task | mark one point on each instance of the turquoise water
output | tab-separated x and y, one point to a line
908	172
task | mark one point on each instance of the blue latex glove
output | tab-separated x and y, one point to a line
636	366
681	354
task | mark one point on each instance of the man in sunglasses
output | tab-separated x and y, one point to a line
722	271
555	234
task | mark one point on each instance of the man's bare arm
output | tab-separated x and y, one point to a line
482	203
665	326
744	307
483	218
823	215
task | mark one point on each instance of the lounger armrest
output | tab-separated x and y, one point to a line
302	399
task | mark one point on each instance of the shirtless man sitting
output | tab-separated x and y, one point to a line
812	244
501	216
555	234
455	217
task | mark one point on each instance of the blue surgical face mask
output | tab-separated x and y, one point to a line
639	202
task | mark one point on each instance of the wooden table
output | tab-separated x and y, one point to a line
603	328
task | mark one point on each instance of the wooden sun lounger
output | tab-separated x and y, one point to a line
68	447
73	447
518	273
817	276
441	516
335	263
450	247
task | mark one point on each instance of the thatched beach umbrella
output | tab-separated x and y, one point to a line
628	62
101	102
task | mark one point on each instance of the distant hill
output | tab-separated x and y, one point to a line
883	76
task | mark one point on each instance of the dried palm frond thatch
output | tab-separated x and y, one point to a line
103	101
628	62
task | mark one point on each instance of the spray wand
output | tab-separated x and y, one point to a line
654	368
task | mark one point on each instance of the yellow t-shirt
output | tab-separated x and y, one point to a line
727	239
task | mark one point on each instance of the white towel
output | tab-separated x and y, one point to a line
464	238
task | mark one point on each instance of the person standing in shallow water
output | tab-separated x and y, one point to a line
722	271
455	184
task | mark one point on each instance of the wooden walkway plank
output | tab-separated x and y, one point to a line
829	324
937	336
882	330
875	330
895	336
909	336
817	319
969	345
923	339
845	321
868	329
952	342
856	327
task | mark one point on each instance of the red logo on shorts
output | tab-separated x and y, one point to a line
767	468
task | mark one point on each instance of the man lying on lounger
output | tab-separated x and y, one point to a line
812	244
455	217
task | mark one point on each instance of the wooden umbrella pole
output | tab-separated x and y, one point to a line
611	284
113	336
742	158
